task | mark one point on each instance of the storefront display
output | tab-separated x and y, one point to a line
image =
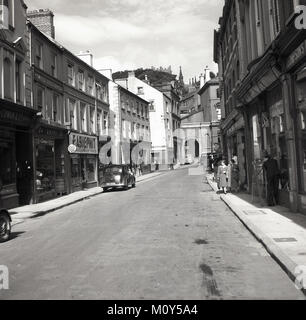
50	151
84	159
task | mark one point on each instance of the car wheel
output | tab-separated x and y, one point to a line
5	227
105	189
134	185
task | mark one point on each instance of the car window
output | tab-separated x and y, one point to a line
114	170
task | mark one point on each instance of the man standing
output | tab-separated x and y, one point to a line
272	175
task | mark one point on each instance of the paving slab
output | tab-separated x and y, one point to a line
282	232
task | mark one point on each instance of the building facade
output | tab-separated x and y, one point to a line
16	113
201	127
269	94
160	113
72	100
130	129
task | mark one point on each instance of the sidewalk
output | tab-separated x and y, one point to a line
40	209
282	232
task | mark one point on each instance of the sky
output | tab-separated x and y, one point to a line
130	34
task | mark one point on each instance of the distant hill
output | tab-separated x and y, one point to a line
154	76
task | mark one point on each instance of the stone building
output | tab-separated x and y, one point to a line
130	129
160	113
16	113
270	91
72	99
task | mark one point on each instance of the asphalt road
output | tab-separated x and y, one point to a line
170	238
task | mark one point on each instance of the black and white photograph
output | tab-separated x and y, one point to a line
153	151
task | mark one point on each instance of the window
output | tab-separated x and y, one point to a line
140	90
8	76
99	122
71	76
38	55
40	98
73	114
83	117
105	123
53	65
123	128
99	91
90	85
276	16
92	120
142	110
55	113
81	80
18	80
152	105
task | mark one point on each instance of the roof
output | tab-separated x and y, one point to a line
62	48
212	82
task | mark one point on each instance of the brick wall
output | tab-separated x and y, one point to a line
43	19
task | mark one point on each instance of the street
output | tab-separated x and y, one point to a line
170	238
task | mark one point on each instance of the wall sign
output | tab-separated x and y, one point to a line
84	144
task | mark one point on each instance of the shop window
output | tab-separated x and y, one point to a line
8	76
76	173
91	169
7	175
45	170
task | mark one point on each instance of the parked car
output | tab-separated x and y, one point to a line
5	225
117	176
189	159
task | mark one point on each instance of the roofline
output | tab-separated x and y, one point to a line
130	92
62	48
208	84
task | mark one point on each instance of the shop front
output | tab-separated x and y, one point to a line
84	161
300	126
16	178
267	125
50	147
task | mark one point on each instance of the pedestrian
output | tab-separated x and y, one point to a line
215	167
223	175
272	173
234	175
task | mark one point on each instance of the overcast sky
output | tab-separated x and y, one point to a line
127	34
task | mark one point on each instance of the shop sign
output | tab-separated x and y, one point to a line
49	132
11	116
72	148
84	144
296	55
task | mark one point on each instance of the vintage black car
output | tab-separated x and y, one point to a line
5	225
117	176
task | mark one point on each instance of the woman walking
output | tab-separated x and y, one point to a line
223	175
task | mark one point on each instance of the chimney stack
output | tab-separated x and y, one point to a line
86	56
43	20
131	74
202	80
